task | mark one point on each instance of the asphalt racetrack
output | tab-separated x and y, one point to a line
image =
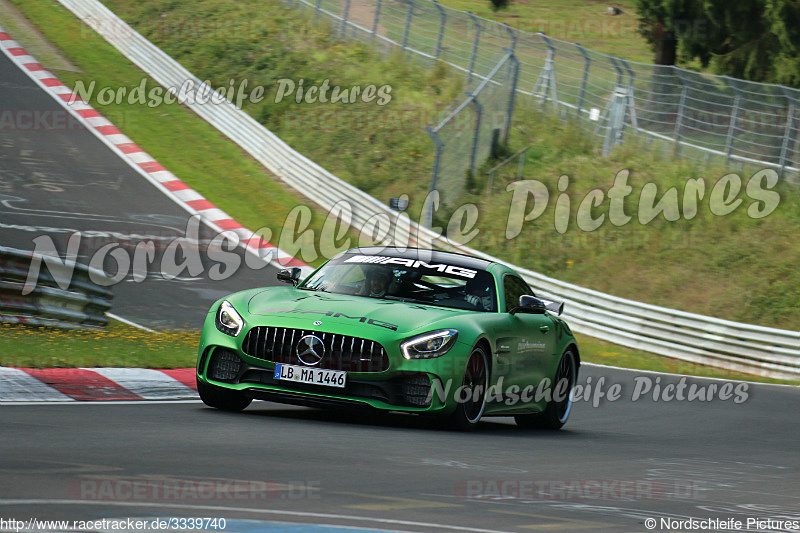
57	178
611	468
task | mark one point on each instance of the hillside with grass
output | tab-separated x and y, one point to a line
733	266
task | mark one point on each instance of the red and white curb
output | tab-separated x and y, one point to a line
33	385
169	184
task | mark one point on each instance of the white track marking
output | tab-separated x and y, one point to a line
128	322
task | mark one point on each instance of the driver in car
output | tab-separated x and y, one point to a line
479	296
376	283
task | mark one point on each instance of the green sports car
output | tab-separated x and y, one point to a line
412	330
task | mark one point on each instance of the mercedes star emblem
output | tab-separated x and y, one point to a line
310	350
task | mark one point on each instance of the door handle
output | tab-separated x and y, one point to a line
544	329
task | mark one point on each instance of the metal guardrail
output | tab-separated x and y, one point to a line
82	305
700	339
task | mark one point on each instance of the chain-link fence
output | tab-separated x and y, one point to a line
695	115
466	136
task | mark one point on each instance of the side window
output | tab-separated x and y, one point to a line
514	287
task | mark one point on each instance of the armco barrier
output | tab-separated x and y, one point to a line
82	305
705	340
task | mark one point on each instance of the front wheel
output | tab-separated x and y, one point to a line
471	396
224	399
558	408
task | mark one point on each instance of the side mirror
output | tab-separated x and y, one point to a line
529	304
553	306
290	275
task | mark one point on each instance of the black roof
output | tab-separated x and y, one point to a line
453	258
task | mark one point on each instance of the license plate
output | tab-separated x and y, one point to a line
315	376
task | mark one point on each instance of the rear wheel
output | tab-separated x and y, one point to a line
471	396
224	399
558	408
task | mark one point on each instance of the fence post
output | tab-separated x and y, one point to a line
476	137
681	111
521	165
375	21
788	137
582	93
547	78
475	43
631	102
616	120
316	9
615	112
443	17
616	67
408	23
344	17
428	221
513	36
731	138
489	183
514	68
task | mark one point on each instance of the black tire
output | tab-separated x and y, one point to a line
471	396
559	407
219	398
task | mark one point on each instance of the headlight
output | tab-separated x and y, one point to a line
429	345
228	320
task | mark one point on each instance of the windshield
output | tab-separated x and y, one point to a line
408	280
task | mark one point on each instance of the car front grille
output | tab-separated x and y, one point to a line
342	352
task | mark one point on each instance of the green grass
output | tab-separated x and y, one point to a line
124	346
579	21
733	266
118	346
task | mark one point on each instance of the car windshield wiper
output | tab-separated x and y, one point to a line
404	299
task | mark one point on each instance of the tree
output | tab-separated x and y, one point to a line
782	48
739	44
757	40
663	22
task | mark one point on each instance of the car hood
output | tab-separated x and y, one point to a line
347	311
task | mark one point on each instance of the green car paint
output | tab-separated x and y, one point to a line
474	355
